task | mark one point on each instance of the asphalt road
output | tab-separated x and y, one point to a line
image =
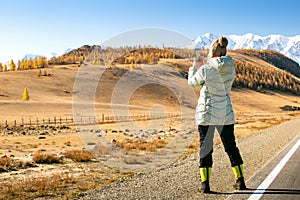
279	179
181	179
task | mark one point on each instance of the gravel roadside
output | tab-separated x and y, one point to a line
181	179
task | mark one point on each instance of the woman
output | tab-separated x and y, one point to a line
214	111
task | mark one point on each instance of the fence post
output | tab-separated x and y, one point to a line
15	123
6	124
29	121
22	122
49	120
102	117
37	121
60	120
54	120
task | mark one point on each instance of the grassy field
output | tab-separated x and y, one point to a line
52	161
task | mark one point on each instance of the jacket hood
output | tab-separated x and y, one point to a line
223	64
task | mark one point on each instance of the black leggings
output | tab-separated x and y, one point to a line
206	144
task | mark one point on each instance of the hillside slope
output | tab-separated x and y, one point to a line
255	68
53	94
274	58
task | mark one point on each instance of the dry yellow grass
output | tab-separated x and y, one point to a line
141	144
45	158
79	155
51	96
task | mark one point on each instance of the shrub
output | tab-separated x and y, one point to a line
79	155
143	145
9	164
44	158
6	162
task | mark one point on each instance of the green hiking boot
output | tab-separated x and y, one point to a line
205	173
239	175
240	184
205	188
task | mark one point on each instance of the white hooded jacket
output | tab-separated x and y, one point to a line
214	104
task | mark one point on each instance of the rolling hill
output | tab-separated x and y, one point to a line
270	87
255	69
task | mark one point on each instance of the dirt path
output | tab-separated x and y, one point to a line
181	180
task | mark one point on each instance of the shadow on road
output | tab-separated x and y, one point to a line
221	193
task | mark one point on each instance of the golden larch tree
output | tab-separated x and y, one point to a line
19	65
40	62
12	65
5	68
25	96
35	64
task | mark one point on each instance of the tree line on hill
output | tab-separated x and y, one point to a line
275	58
259	78
25	64
121	55
247	75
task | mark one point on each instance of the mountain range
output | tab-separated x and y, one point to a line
288	46
48	56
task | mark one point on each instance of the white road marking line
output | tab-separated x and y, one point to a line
257	194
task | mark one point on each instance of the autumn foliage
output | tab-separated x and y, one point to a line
25	96
259	78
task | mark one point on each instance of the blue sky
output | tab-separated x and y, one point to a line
43	26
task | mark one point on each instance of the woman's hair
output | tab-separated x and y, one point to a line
218	47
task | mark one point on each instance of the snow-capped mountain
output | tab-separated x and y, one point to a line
68	50
31	56
289	46
47	55
51	55
204	41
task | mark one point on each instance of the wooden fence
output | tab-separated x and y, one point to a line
85	120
